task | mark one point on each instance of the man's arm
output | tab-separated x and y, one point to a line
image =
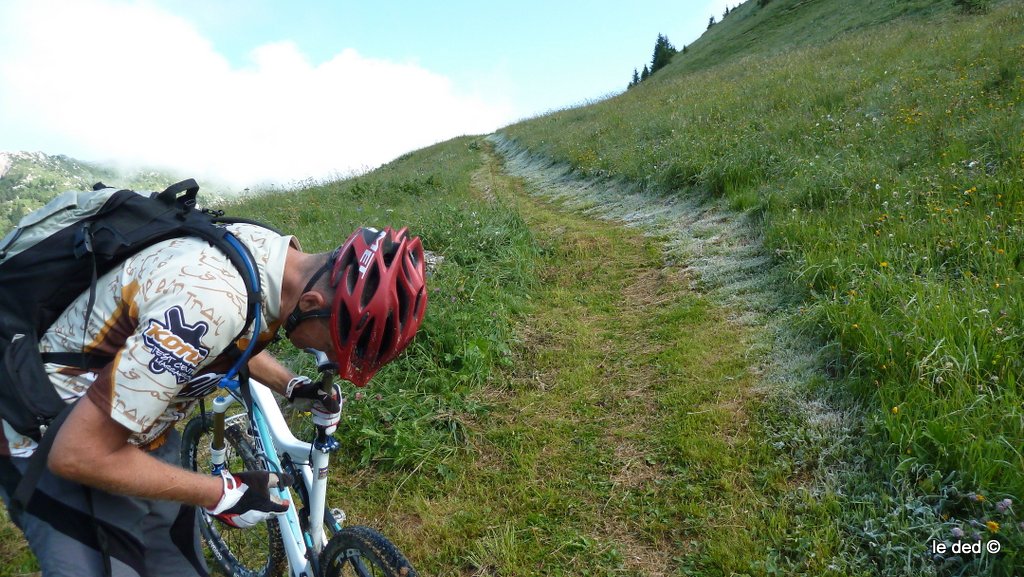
93	449
269	371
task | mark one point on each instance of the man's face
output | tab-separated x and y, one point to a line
313	333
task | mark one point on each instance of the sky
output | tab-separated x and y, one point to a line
257	91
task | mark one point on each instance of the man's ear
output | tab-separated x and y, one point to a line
311	301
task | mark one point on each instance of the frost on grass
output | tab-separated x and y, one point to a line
723	254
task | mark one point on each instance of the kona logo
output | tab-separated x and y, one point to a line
176	347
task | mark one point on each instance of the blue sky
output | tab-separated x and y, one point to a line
253	90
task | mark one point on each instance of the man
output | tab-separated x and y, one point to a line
114	499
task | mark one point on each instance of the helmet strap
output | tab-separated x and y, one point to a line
299	316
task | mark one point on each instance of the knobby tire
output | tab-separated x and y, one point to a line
363	552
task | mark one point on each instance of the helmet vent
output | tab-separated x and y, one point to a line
403	305
364	340
415	256
390	251
389	333
344	324
350	270
405	266
370	285
418	309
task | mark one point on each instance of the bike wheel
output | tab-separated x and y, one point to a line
253	552
363	552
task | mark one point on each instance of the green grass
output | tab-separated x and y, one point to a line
887	169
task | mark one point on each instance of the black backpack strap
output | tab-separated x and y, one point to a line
78	360
37	462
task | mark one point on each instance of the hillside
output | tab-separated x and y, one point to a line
30	179
767	28
878	147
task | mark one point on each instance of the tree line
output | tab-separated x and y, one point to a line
664	51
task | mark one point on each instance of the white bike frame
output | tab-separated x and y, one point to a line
275	443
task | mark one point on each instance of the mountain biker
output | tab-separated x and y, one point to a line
114	500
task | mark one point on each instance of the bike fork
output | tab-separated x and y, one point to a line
218	448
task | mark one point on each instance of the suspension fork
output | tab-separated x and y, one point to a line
218	447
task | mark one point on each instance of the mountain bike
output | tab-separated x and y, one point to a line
308	540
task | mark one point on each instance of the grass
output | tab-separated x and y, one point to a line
885	167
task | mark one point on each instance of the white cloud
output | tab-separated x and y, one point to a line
109	79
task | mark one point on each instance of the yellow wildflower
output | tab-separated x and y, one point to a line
992	526
896	410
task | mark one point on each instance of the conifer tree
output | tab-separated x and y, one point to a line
636	79
644	74
711	22
663	53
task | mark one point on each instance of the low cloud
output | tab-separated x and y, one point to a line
129	82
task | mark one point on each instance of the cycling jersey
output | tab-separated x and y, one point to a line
165	316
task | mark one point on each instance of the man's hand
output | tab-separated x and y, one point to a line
304	388
247	500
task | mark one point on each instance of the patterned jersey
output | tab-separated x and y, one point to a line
165	316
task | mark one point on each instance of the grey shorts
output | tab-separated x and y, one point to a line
143	538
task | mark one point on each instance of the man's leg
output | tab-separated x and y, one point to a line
60	531
170	530
141	537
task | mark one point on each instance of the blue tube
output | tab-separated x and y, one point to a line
228	381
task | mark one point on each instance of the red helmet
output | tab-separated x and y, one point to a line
380	296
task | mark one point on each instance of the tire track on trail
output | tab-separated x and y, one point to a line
716	253
725	255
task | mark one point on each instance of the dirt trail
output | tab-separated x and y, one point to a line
725	253
717	253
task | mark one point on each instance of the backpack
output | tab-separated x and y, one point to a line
59	251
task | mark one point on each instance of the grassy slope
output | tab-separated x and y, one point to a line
886	167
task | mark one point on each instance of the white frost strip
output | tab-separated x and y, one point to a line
726	253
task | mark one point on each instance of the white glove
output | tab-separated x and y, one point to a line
325	408
247	501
